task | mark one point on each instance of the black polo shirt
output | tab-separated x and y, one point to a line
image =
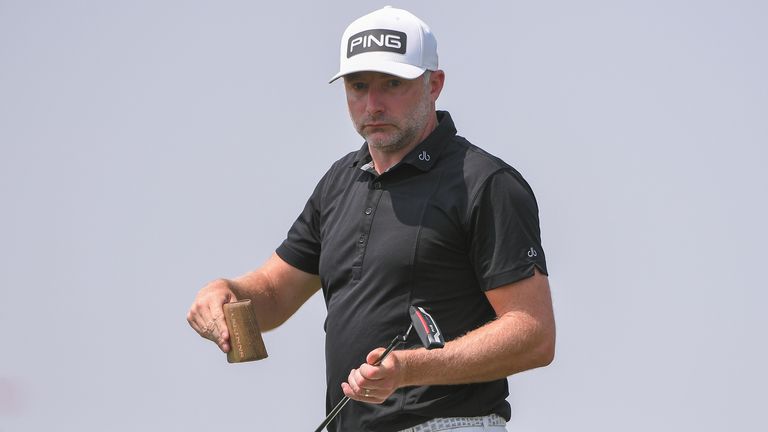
447	223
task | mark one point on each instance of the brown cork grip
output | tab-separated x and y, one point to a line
245	339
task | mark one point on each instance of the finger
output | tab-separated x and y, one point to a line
348	392
362	394
210	330
198	318
217	326
204	324
372	373
192	320
352	389
369	395
361	385
353	381
373	357
193	317
377	388
219	323
223	332
206	316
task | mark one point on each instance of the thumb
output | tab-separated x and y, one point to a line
230	297
374	356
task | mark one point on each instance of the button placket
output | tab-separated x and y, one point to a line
369	209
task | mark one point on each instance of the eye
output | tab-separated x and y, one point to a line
394	83
358	85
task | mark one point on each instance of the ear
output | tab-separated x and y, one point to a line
436	82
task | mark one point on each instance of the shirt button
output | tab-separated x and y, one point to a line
377	185
362	239
368	211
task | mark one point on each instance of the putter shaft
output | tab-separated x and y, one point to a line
335	411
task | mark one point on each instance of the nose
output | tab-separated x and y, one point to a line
374	103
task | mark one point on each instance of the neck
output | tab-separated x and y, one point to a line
383	161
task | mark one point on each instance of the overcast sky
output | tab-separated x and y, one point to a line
148	147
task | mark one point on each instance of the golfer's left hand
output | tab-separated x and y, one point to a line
374	384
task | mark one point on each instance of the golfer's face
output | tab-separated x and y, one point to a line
384	107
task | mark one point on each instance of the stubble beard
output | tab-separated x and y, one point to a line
403	134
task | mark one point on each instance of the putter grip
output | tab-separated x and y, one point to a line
245	339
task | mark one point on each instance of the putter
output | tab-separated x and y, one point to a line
430	336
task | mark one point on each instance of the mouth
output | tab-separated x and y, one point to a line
376	125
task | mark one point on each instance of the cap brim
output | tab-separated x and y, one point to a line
401	70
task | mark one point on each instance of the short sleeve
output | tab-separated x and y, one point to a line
301	248
505	238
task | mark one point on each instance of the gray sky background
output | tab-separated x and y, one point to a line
148	147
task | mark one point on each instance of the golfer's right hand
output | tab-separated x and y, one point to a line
206	315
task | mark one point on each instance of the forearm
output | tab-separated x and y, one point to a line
264	297
276	291
513	343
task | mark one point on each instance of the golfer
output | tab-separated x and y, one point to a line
418	215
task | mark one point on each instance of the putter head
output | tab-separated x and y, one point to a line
426	328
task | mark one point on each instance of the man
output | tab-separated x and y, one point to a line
417	216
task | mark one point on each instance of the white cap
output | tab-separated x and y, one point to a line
389	40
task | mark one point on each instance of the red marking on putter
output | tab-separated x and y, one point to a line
424	323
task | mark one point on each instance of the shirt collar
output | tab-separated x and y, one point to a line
425	155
